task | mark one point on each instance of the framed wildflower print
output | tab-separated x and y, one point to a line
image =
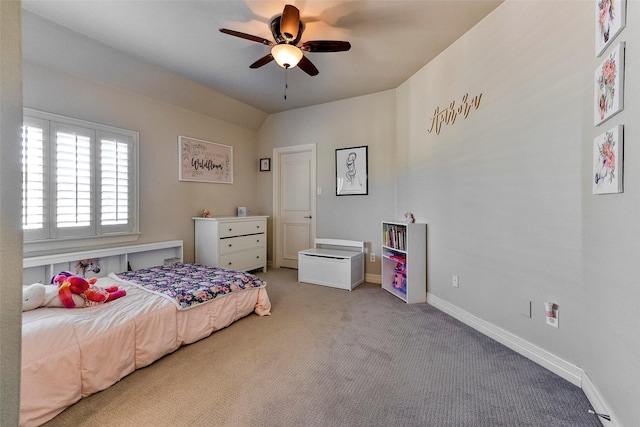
609	85
607	161
204	161
610	20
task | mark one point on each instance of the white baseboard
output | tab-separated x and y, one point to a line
373	278
560	367
598	402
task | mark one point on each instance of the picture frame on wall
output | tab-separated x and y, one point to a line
352	173
265	165
609	86
610	19
204	161
608	151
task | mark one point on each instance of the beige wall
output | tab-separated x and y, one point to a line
503	188
166	204
506	192
10	227
367	120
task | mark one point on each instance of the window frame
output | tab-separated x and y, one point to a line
51	237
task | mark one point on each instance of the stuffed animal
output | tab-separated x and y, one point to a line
70	284
38	295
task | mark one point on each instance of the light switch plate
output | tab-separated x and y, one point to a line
525	309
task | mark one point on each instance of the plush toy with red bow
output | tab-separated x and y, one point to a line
71	284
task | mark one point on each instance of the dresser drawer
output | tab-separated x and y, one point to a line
235	244
246	260
239	243
239	228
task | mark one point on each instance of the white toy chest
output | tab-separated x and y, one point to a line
332	262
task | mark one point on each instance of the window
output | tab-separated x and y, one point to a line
79	182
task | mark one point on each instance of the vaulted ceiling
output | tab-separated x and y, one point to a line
390	40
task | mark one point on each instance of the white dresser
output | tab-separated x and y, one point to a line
239	243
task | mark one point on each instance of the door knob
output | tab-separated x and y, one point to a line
308	216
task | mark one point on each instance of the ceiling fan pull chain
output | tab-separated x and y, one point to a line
286	83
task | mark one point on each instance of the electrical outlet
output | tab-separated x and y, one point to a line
551	314
456	281
372	257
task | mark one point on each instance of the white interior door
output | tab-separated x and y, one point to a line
294	202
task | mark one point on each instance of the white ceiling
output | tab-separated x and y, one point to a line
390	40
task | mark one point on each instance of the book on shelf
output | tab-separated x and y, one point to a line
395	236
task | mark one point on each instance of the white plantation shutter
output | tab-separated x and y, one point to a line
73	178
33	177
115	179
79	181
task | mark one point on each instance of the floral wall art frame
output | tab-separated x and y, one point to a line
352	171
607	161
204	161
609	85
610	20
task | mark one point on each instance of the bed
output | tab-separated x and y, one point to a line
68	354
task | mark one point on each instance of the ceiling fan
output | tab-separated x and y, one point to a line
287	31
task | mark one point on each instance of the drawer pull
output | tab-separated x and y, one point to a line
230	245
231	229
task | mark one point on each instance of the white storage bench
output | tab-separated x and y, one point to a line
332	262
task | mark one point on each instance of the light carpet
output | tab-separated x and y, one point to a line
328	357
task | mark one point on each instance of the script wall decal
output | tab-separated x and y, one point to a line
449	115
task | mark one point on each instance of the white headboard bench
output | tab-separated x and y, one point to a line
109	260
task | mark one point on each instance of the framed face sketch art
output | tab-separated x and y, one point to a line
352	171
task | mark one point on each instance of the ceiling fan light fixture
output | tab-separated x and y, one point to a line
286	55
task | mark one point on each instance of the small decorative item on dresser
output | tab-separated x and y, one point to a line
265	164
206	214
242	211
409	219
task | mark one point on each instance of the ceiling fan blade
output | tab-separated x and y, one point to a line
325	46
247	36
307	66
290	22
262	61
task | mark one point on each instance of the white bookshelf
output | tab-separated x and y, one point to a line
408	243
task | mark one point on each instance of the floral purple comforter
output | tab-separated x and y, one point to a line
189	285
